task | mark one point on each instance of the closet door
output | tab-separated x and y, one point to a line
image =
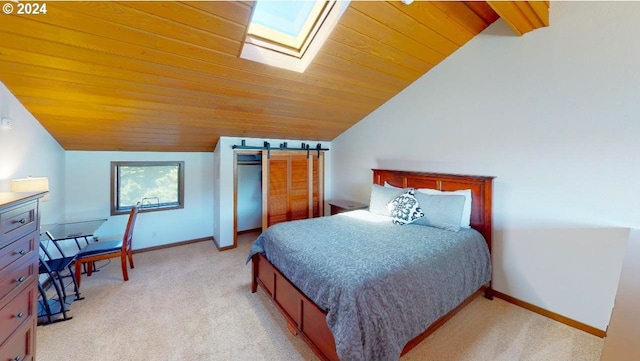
317	169
299	187
292	187
275	189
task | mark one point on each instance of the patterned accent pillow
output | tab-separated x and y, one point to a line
405	209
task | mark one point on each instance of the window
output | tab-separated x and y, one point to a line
289	34
285	23
154	186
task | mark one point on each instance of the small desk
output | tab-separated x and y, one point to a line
341	205
73	230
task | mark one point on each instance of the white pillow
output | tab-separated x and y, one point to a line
380	197
465	221
388	185
440	211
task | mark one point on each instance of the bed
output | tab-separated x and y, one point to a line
353	285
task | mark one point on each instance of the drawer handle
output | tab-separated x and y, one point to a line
20	314
21	279
22	253
22	221
17	358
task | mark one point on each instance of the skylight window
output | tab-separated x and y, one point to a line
288	34
285	22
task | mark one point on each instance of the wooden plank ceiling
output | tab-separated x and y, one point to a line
166	76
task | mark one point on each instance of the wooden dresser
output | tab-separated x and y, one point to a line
19	237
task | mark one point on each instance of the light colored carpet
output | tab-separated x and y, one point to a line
194	303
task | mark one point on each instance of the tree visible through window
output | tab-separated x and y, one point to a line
152	185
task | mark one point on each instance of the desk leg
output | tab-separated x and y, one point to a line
86	240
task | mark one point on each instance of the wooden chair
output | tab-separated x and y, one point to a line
100	250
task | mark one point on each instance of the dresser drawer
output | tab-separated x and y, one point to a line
17	311
17	276
18	221
20	346
18	250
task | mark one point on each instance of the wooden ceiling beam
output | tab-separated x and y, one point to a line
522	16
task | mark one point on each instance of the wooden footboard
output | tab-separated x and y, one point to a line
305	319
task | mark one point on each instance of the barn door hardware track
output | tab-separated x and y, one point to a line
283	146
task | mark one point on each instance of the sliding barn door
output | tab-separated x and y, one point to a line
292	186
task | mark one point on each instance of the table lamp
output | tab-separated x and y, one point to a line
31	184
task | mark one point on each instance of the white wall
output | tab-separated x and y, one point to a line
88	191
217	193
553	114
29	150
223	205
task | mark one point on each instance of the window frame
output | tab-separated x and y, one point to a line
276	40
275	54
115	178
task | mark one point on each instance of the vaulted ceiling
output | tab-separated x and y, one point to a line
166	76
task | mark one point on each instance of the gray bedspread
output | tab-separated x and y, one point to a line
381	284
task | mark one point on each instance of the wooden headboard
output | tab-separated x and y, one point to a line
480	190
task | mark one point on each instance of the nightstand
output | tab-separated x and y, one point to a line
342	205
